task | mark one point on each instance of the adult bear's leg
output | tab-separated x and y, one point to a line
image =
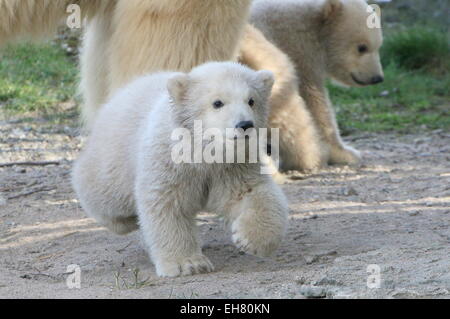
173	35
95	68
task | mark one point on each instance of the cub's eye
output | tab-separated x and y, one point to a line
218	104
251	102
362	48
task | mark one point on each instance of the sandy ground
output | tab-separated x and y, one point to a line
393	212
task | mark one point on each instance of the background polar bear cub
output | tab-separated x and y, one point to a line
323	39
125	177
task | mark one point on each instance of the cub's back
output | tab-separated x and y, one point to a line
109	155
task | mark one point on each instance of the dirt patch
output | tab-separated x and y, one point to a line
393	212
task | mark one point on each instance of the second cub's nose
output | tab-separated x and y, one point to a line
377	79
245	125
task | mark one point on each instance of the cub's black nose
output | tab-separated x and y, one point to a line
377	79
245	125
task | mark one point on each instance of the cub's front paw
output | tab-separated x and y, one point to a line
255	242
197	264
345	155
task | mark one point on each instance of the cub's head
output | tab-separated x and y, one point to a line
352	41
224	96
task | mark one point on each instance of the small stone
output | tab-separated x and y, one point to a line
414	213
313	292
386	269
311	259
425	154
325	281
350	191
389	284
299	236
300	280
419	141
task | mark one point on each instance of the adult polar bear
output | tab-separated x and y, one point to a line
128	38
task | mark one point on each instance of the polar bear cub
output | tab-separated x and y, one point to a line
126	177
336	39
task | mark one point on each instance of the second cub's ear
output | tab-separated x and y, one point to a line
266	78
177	87
331	8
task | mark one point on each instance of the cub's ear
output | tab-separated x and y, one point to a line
177	87
266	78
331	9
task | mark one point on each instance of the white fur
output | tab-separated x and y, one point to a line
125	176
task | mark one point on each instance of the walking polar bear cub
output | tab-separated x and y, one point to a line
126	178
310	41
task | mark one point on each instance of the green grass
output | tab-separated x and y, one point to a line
123	283
36	79
418	48
405	101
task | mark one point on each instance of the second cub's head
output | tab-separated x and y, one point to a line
353	37
223	95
